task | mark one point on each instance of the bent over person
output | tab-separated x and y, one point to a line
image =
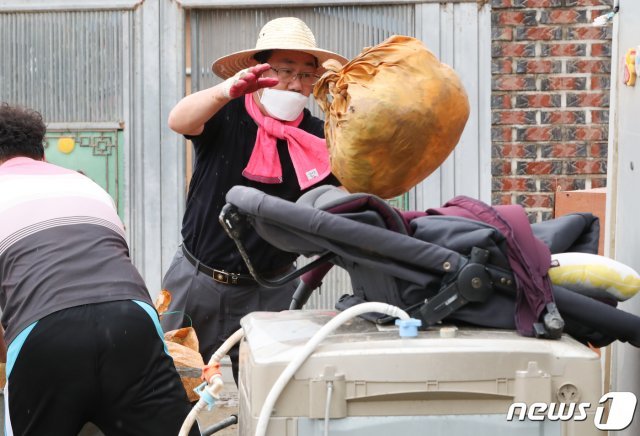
84	341
251	130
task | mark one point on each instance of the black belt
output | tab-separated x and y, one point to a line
219	275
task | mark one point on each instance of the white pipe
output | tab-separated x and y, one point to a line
191	417
215	383
296	363
327	407
213	388
226	346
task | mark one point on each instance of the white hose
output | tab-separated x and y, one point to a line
191	417
296	363
226	346
327	407
215	383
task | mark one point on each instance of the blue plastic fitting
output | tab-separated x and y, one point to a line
204	395
408	327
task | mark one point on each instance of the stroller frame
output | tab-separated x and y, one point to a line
469	279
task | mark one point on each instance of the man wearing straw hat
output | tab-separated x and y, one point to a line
252	130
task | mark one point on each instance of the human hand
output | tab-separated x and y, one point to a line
248	81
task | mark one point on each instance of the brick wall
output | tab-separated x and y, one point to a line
550	99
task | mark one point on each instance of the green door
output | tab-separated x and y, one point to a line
96	153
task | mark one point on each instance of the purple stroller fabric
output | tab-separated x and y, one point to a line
529	257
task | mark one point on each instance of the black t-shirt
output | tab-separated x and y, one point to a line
222	151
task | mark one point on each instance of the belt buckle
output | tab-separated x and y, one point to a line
226	278
221	276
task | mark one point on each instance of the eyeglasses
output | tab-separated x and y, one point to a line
287	75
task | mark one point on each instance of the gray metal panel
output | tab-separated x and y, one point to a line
429	192
172	149
66	64
482	111
623	208
157	166
459	34
299	3
465	62
342	29
66	5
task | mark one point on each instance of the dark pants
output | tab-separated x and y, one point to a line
215	309
102	363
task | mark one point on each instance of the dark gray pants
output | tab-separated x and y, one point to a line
215	309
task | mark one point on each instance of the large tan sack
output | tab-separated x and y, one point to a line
392	116
182	345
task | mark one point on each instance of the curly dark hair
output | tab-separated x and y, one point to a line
21	133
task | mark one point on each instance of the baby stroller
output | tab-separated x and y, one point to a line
437	266
485	276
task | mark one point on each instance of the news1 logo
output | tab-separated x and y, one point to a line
621	411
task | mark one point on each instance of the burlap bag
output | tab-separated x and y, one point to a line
392	116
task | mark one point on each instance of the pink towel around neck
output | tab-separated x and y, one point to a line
309	153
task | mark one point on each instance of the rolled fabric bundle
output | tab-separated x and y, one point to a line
595	276
392	116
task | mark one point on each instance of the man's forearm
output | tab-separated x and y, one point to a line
193	111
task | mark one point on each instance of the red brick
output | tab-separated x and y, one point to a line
572	150
535	200
561	184
572	49
587	133
590	32
589	2
515	184
501	66
515	150
589	66
538	100
500	167
500	199
501	134
501	33
498	4
540	3
563	16
538	66
544	133
598	166
598	149
600	182
590	99
600	117
563	117
514	83
559	83
518	49
513	117
539	167
600	82
539	33
601	49
501	101
514	18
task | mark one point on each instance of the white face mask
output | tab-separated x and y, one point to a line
283	105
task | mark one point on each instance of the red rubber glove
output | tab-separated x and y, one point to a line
247	81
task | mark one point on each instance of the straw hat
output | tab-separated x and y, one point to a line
287	33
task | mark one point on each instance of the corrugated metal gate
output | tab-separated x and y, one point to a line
94	70
46	60
105	74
